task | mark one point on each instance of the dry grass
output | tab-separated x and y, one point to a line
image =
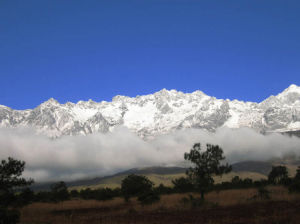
91	211
114	182
166	179
228	177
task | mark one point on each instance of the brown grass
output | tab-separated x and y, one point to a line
166	179
166	210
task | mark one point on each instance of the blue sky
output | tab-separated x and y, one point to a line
79	50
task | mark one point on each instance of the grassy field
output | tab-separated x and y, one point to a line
224	207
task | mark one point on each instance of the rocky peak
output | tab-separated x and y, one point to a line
159	113
51	102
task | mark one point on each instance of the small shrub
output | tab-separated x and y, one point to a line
262	194
149	197
161	189
74	193
192	201
182	185
135	185
295	186
59	191
185	201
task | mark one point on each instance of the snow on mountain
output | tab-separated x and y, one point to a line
159	113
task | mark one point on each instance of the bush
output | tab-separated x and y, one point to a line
295	182
278	175
104	194
74	193
135	185
295	186
26	196
182	185
86	194
59	192
161	189
193	202
262	194
149	197
43	196
99	194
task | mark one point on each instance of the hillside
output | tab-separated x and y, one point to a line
255	170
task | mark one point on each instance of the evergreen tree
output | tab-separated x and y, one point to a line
10	179
278	175
205	165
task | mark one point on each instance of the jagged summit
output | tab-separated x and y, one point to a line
291	91
51	101
158	113
293	88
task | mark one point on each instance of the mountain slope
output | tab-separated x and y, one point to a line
159	113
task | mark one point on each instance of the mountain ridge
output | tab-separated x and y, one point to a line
158	113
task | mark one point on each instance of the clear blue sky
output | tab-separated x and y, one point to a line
77	50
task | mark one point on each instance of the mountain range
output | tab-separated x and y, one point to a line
159	113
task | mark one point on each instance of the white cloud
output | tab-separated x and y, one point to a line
73	157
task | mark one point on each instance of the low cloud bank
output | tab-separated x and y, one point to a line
74	157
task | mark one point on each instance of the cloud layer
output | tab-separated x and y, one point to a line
74	157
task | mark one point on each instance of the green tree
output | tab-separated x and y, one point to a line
297	176
26	196
135	185
59	191
10	179
183	185
162	189
205	165
74	193
278	175
295	183
236	181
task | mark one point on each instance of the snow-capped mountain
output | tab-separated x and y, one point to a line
159	113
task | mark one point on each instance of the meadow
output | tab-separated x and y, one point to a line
233	206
